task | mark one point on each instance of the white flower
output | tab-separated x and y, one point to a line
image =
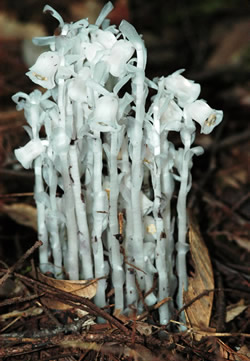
186	91
121	52
25	155
202	113
105	38
104	118
44	70
131	34
77	88
34	98
33	104
93	51
171	116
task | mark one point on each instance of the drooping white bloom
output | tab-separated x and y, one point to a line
105	38
171	117
44	70
25	155
33	104
186	91
105	114
131	34
120	53
77	89
93	51
203	114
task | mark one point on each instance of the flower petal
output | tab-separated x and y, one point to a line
171	117
186	91
203	114
44	70
29	152
105	113
105	38
121	52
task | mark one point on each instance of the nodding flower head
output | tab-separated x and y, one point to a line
120	53
203	114
105	114
25	155
171	116
186	91
44	70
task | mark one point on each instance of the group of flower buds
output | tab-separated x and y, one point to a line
105	171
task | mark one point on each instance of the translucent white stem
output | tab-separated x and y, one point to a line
131	291
167	190
170	249
160	251
139	92
81	216
72	238
41	224
78	117
53	224
182	246
60	101
117	270
137	168
88	181
98	219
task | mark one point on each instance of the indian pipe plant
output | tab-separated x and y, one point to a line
105	171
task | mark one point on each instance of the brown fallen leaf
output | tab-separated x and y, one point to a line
21	213
226	353
198	314
144	328
235	310
80	288
243	353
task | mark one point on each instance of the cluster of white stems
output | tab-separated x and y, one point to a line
105	171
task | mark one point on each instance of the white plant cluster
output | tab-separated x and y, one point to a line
105	172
